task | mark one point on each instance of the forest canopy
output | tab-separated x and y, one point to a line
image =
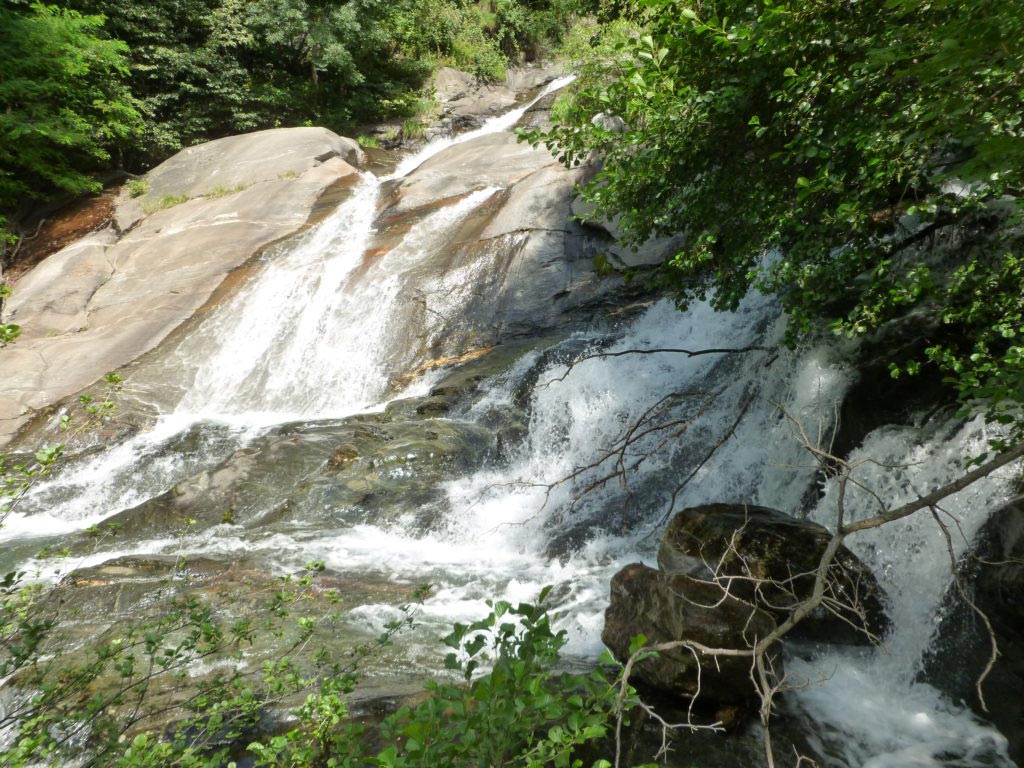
94	85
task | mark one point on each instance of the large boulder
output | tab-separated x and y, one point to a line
993	574
667	607
770	559
516	267
465	102
102	302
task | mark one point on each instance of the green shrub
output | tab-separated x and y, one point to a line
96	704
222	191
413	129
137	187
167	201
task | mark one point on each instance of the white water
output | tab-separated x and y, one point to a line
304	339
307	339
872	712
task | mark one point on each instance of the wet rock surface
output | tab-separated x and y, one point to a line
993	577
770	559
675	607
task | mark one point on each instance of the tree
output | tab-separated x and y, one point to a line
203	69
65	105
815	150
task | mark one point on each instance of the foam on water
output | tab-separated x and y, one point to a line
305	339
872	710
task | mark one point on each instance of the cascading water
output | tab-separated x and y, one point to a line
307	340
873	712
298	342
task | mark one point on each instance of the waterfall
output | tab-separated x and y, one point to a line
873	712
308	339
305	338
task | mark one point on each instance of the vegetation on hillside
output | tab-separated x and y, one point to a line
63	104
94	85
825	152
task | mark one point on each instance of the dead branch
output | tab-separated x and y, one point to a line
654	351
962	590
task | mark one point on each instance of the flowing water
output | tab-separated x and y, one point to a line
312	339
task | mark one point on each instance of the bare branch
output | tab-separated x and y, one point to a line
989	629
933	498
655	351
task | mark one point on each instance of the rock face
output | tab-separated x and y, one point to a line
466	102
994	575
769	559
651	253
518	266
667	607
105	300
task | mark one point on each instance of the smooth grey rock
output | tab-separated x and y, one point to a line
649	254
102	302
236	163
450	84
531	76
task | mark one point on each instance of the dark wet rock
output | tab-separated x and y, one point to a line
668	607
361	468
770	559
146	568
993	575
738	747
876	398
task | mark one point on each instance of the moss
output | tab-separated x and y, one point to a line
167	201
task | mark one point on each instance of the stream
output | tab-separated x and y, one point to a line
319	339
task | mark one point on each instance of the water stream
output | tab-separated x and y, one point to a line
308	340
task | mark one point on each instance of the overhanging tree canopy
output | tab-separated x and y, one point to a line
803	147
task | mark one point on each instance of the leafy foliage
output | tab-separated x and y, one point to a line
65	105
208	68
108	706
521	712
813	150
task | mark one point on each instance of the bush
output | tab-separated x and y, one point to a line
98	707
812	151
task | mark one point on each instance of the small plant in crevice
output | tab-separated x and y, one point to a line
167	201
137	187
413	129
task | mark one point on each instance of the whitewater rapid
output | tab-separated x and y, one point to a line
513	528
